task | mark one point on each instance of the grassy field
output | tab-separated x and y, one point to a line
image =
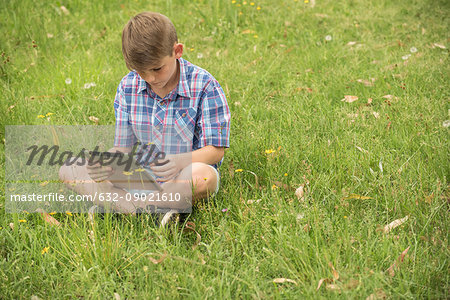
285	66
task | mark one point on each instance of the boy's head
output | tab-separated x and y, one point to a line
147	39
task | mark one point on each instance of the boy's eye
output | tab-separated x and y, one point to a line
157	69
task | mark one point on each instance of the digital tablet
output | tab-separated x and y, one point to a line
127	172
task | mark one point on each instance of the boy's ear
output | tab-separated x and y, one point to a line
178	50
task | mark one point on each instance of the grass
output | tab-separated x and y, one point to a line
284	82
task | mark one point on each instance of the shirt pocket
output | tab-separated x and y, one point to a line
184	124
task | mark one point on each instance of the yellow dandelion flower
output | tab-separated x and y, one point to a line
41	116
245	2
49	114
274	187
45	250
258	8
285	174
1	227
269	151
127	173
345	217
139	170
234	1
192	49
26	212
238	170
52	213
252	3
241	13
205	179
69	213
22	221
255	36
307	1
238	5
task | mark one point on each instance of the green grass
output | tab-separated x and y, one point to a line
316	137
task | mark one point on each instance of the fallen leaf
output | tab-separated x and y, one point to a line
394	224
366	82
47	217
356	196
351	43
439	46
300	193
376	115
283	280
322	281
353	283
248	31
94	119
349	99
49	35
379	294
397	262
65	10
11	225
161	259
116	296
333	270
190	226
389	97
332	287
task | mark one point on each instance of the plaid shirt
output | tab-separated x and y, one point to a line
193	115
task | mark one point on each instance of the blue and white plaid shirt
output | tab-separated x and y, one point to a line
193	115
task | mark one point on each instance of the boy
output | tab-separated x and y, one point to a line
163	91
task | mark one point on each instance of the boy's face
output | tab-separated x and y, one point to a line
163	75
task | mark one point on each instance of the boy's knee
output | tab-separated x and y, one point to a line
204	176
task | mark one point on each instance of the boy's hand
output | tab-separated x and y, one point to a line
169	169
99	173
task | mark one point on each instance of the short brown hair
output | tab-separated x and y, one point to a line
146	39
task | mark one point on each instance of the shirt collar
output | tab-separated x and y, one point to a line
182	87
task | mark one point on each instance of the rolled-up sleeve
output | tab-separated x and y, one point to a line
215	117
124	135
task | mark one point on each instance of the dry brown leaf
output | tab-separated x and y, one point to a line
379	294
397	262
439	46
190	226
351	43
284	280
11	225
248	31
322	280
333	270
94	119
65	10
366	82
353	283
48	218
306	228
376	115
332	287
349	98
389	97
394	224
369	101
300	192
161	259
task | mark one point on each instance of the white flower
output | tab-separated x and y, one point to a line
405	57
68	81
413	50
328	38
89	85
446	123
200	55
